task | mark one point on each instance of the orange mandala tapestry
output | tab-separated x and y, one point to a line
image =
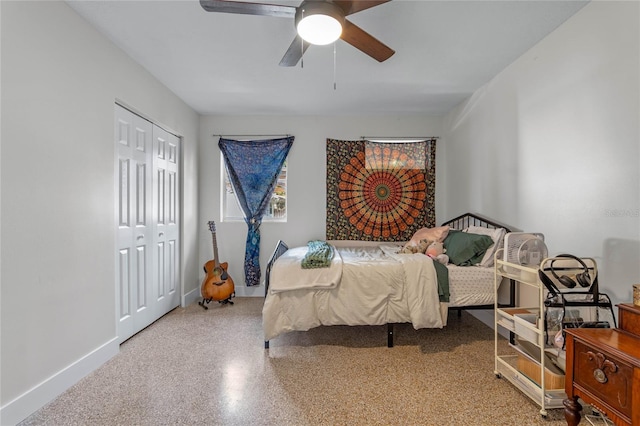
379	191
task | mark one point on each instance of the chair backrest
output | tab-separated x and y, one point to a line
281	247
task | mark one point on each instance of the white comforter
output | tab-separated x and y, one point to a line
376	287
289	275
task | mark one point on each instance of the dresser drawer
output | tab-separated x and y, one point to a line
604	376
629	318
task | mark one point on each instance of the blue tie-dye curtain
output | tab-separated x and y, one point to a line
253	168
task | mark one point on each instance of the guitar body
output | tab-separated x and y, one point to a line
217	284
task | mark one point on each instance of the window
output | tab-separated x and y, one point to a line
277	210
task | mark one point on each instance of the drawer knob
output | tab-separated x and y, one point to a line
604	365
600	376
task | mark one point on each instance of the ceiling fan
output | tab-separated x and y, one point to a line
317	22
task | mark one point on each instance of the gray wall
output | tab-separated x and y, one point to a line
60	80
552	144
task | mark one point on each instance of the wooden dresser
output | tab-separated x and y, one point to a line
603	369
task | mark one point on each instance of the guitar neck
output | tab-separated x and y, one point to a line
215	249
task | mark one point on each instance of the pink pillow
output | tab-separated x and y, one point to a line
432	234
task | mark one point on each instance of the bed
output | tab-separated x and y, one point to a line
374	283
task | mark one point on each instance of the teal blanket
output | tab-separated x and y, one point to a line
443	281
319	255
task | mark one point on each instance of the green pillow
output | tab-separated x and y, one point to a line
466	249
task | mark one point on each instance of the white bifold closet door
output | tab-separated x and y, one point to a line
148	227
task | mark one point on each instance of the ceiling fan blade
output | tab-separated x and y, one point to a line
246	8
294	53
362	40
354	6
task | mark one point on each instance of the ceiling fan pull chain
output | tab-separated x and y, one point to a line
334	65
302	45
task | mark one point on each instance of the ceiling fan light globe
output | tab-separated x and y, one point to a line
319	29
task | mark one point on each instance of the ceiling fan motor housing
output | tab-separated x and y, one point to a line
316	26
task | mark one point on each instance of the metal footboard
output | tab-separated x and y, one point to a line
281	247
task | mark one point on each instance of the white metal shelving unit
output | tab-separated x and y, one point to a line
506	364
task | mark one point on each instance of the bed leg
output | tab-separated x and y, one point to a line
266	344
512	293
512	303
389	335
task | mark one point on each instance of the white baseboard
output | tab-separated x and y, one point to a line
31	401
241	291
192	297
254	291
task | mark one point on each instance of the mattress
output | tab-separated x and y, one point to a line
471	286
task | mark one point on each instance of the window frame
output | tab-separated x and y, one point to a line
226	190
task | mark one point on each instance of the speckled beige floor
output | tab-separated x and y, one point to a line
197	367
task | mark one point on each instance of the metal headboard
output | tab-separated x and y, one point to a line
469	219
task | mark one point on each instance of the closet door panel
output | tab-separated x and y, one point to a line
135	292
166	207
124	273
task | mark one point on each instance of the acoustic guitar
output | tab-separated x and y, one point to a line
217	284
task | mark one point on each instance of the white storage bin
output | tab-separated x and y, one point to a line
526	327
506	316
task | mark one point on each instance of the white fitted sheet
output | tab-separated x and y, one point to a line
471	285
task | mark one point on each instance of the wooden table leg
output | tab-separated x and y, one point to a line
572	410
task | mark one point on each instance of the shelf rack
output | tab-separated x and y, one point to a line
506	364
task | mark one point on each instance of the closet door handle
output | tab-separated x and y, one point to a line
139	237
161	234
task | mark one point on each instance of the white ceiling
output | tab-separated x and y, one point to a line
227	64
